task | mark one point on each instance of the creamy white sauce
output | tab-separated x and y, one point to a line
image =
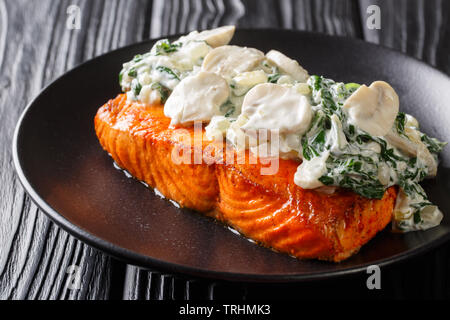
197	98
273	107
309	172
346	135
405	218
217	128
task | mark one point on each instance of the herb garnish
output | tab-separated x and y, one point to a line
167	70
164	92
165	47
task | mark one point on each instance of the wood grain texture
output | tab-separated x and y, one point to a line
36	47
34	253
419	28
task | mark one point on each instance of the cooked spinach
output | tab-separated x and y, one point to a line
228	109
357	165
433	144
168	71
165	47
132	72
400	122
136	87
138	58
164	92
273	78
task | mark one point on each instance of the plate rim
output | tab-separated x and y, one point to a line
134	258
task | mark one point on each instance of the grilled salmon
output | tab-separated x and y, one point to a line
269	209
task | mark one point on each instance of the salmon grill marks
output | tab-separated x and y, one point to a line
269	209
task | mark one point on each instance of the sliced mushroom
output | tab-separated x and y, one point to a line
250	78
413	147
272	106
287	65
197	98
229	61
215	37
374	108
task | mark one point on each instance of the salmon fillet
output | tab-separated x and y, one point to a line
269	209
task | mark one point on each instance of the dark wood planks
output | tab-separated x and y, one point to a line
420	28
36	47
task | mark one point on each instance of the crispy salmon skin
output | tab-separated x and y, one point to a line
269	209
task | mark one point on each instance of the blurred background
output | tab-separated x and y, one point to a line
40	40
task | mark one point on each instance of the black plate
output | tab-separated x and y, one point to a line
63	168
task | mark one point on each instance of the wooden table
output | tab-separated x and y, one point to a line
36	47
